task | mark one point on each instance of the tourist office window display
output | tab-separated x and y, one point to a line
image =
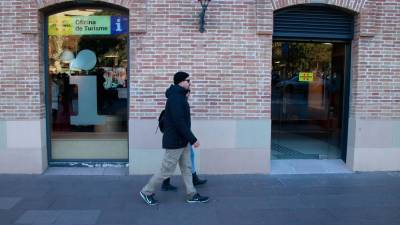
88	84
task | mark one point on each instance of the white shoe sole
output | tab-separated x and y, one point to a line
144	198
190	201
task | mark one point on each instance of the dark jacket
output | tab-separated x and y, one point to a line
177	133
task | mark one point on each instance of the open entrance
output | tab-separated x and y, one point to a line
310	82
87	83
307	100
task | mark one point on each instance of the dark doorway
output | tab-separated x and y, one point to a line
308	100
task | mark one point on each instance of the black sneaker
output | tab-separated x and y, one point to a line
197	198
149	199
197	181
167	186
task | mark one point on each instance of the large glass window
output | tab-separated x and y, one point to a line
307	100
87	83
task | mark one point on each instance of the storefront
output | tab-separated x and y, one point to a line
311	57
82	83
87	85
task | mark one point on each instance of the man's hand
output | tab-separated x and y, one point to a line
197	144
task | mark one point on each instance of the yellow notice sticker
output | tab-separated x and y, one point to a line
60	25
306	76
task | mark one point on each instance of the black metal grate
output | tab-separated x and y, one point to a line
316	22
283	152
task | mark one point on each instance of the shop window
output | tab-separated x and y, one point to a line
88	79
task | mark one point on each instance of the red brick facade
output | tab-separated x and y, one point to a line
376	56
230	63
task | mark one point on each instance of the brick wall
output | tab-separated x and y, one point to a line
19	69
376	70
229	63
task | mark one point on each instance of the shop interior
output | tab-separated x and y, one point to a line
87	87
307	100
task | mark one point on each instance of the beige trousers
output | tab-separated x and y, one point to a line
169	162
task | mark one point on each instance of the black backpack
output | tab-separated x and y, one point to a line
161	121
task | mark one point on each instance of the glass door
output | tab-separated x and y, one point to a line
307	100
88	85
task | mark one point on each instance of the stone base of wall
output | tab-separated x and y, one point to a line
208	161
226	146
23	147
373	145
376	159
27	161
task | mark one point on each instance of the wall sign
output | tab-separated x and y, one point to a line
87	25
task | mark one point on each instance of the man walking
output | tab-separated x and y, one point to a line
166	184
176	141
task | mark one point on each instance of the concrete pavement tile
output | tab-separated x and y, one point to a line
252	217
327	201
242	180
77	217
366	215
31	191
43	217
330	190
268	202
106	203
87	203
243	199
59	217
34	204
82	190
312	216
116	171
355	190
350	200
118	217
9	216
8	178
7	191
9	202
81	203
302	181
137	204
274	217
187	214
123	192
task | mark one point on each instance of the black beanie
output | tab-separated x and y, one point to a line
180	76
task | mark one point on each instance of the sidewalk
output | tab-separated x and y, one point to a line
329	199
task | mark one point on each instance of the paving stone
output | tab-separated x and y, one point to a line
116	171
199	214
87	203
77	217
118	217
274	217
267	202
9	216
8	202
316	199
48	217
44	217
366	215
34	203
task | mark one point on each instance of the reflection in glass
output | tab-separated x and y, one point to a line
87	67
307	93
